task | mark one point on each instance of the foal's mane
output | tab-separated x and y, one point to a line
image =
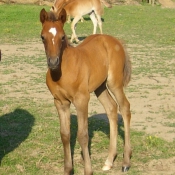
52	16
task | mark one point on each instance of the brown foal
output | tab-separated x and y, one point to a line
99	64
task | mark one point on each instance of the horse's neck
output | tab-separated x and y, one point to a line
55	74
66	44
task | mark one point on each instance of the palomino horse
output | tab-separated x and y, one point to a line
79	8
100	61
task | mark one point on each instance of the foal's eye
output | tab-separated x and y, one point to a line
42	37
63	37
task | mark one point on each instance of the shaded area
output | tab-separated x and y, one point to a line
86	18
14	129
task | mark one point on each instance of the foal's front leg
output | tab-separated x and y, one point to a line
81	104
64	116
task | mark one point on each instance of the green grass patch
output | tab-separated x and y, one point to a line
29	126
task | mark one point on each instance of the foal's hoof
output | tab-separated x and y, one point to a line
125	168
106	167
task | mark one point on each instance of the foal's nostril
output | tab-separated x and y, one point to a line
52	62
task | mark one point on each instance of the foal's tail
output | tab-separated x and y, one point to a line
127	69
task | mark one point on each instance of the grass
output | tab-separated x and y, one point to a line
123	18
30	140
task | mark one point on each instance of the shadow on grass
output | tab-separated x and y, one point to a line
97	122
88	19
14	129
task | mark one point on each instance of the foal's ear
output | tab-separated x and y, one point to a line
43	16
62	16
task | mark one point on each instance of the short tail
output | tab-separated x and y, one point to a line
106	3
127	69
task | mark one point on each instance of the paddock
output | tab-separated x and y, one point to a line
26	101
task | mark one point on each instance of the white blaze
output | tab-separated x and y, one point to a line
53	31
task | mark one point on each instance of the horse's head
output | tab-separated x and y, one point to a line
53	35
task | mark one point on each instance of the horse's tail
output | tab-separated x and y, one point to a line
127	69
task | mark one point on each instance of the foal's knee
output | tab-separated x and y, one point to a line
83	138
65	136
125	108
112	110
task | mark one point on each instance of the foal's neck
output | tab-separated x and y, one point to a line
66	43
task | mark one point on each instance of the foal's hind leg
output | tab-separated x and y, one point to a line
124	108
111	109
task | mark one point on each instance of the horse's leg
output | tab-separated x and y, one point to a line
73	26
64	116
124	108
94	21
82	19
99	22
111	109
81	105
68	19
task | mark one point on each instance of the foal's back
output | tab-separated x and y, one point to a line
101	48
99	55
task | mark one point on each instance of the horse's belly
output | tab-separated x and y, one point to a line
96	80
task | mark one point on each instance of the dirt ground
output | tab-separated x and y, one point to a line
146	112
146	115
167	3
141	107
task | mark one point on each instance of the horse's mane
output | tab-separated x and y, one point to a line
52	16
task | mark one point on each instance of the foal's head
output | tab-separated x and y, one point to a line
53	35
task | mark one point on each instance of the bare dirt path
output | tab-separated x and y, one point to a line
167	3
149	105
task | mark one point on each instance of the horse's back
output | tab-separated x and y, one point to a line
100	37
101	55
109	51
105	45
78	7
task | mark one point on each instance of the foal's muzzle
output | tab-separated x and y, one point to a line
53	62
